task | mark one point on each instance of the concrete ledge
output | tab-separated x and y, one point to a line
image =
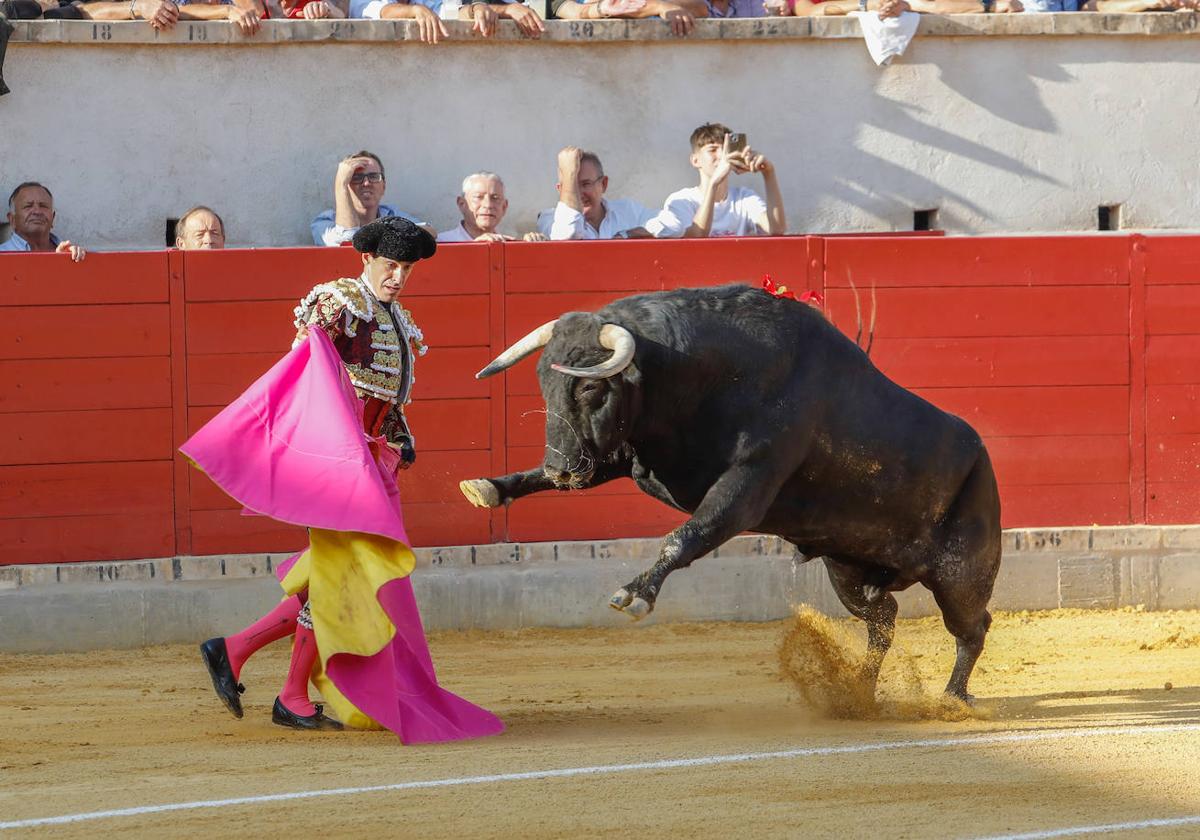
195	33
85	606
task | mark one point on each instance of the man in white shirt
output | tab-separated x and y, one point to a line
582	211
358	188
31	215
714	208
483	205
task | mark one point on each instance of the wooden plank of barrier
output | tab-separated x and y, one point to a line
1063	505
591	516
38	332
65	437
1172	410
64	539
180	474
1037	411
1172	502
616	269
275	274
1173	309
1060	459
1000	361
36	280
497	414
1003	262
85	384
133	489
1172	260
987	311
1174	458
1173	359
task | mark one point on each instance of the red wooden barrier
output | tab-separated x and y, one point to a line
1075	357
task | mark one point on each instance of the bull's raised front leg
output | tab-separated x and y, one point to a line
736	502
493	492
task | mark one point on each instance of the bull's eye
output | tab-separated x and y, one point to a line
590	388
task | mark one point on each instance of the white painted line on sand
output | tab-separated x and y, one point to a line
1000	738
1108	828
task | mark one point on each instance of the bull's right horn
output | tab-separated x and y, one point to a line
531	343
613	337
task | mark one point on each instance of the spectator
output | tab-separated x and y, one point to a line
200	229
358	187
246	15
483	206
680	14
31	215
429	15
714	208
582	211
891	8
736	8
305	9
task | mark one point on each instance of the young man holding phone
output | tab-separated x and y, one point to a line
714	208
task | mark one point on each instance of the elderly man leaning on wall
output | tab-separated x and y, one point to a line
358	187
31	215
679	14
429	15
482	205
583	211
246	15
200	229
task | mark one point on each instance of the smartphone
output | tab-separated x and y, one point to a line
737	142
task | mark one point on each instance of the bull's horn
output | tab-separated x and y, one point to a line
531	343
614	338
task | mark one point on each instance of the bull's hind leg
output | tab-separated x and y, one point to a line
963	572
878	612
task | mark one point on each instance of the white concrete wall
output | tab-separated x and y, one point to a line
1025	131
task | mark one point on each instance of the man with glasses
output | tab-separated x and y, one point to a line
357	192
583	211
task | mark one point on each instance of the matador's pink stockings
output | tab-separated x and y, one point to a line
276	624
295	689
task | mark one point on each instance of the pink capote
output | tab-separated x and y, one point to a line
292	447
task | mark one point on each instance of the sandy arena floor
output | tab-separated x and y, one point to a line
1075	727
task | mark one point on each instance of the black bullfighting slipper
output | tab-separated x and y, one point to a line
285	717
216	659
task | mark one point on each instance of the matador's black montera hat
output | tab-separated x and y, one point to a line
395	238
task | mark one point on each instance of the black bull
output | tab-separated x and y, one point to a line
754	413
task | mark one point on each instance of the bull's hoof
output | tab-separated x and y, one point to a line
620	599
633	606
480	492
638	609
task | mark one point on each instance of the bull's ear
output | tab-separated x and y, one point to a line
530	343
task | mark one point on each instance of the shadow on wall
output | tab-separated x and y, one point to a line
1007	93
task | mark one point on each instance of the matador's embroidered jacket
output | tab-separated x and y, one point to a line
378	344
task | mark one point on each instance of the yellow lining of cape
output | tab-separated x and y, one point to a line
343	571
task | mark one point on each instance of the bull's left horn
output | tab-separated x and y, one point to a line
531	343
614	338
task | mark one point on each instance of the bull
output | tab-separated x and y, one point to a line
754	413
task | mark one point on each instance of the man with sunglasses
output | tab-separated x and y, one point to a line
357	192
